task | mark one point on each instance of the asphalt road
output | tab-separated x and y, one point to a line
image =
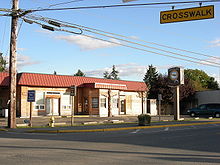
175	145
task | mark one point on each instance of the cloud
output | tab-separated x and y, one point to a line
44	31
87	43
128	71
215	43
22	49
25	61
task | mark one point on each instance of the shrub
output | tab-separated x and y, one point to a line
144	119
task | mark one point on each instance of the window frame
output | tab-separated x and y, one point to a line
103	103
95	102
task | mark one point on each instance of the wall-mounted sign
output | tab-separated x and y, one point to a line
189	14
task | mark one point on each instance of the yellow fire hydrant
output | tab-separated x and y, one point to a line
51	122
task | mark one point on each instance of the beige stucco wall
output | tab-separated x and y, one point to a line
24	106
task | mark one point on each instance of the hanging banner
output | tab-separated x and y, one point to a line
189	14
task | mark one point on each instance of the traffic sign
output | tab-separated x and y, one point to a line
189	14
31	96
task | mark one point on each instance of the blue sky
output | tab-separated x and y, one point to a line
42	51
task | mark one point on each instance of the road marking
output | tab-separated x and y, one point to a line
120	129
166	129
136	131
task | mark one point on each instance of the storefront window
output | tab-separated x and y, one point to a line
115	103
95	102
40	100
103	102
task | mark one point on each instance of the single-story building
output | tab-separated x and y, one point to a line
94	96
209	96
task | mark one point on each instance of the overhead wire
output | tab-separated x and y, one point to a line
3	36
143	41
127	5
110	36
122	44
117	20
64	3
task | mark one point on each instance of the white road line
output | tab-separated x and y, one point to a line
166	129
136	131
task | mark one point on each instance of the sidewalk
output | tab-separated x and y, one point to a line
114	127
79	119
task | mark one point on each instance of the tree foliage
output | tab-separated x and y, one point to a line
112	75
158	84
200	80
106	75
3	63
151	76
79	73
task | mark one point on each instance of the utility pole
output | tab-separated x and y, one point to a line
12	67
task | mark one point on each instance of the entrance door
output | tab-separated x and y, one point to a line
122	106
52	106
86	106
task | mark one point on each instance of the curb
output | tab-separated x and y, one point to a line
118	129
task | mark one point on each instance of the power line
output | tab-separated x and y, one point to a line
151	51
144	41
149	27
148	46
128	5
64	3
117	43
110	36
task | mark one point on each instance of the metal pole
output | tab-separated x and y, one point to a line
12	66
159	107
109	104
177	104
72	110
142	102
30	124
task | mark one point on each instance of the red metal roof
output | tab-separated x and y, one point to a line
49	80
4	79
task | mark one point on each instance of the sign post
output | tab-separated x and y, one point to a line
176	78
159	105
31	98
73	91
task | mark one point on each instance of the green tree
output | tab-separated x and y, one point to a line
79	73
113	75
106	75
213	84
151	76
151	79
200	80
3	63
